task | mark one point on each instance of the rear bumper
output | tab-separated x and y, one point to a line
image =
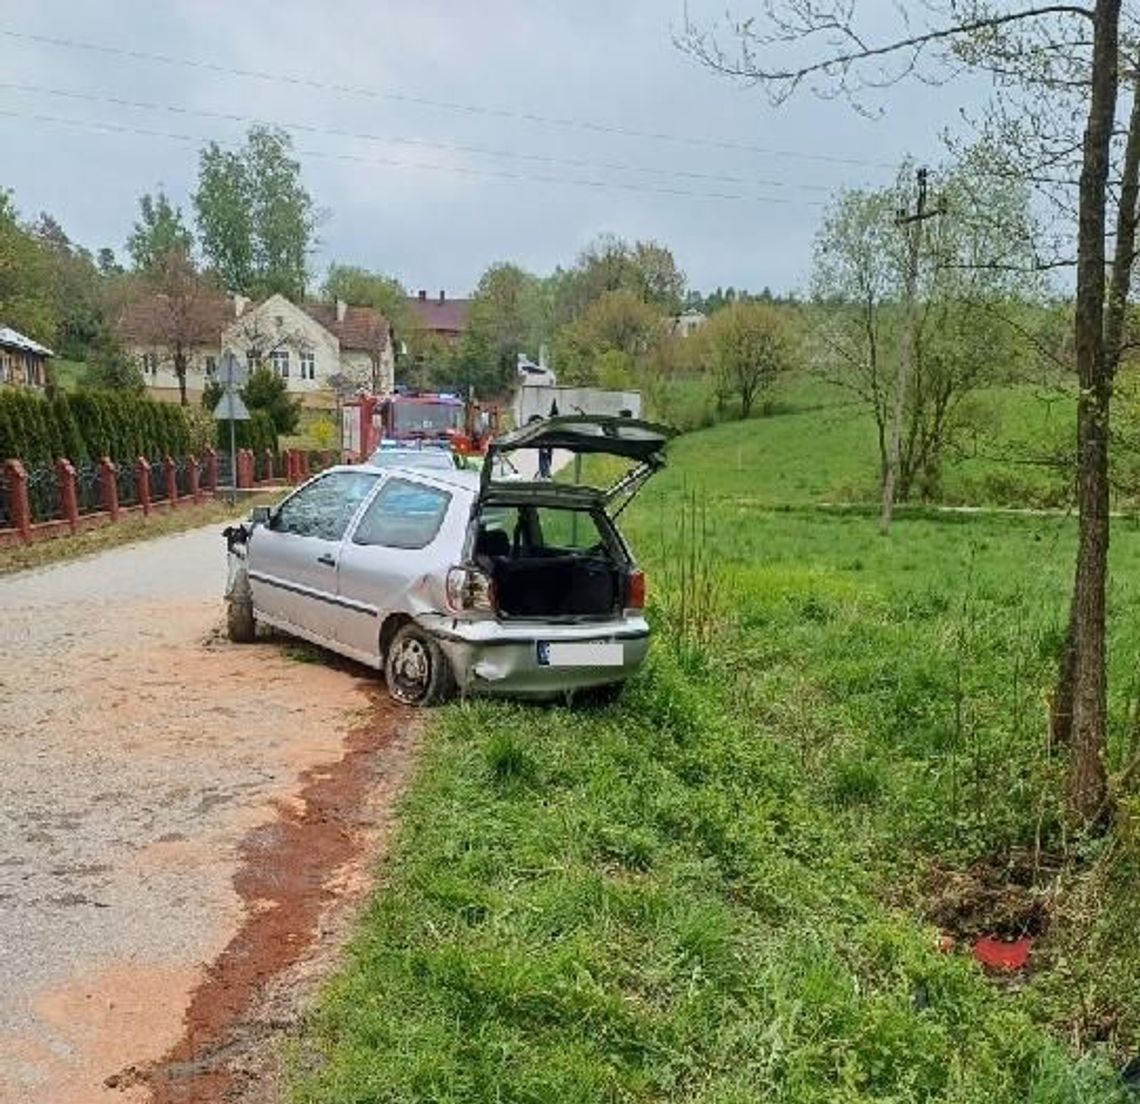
491	657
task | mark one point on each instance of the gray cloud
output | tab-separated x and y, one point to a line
613	64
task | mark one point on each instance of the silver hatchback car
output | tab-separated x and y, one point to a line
455	581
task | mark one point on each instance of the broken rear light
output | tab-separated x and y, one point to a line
635	591
470	591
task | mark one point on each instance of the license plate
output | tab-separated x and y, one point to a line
586	653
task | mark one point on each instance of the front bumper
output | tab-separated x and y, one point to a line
493	657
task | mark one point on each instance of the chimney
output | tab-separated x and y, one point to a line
341	307
441	297
240	303
423	295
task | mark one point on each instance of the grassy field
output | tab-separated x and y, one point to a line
730	886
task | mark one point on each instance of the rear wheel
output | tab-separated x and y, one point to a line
240	624
416	670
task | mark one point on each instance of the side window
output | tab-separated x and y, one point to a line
403	515
323	509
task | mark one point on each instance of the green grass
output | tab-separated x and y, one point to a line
723	888
67	373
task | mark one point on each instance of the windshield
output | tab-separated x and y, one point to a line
426	417
412	458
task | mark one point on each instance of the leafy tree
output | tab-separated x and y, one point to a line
615	336
361	288
751	346
501	323
975	270
265	390
158	232
107	263
223	210
1058	69
26	300
645	269
255	217
661	282
283	214
75	287
109	368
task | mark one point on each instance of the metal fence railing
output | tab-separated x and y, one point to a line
182	477
127	485
88	489
45	497
157	480
43	494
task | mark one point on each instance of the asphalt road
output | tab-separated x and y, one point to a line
137	749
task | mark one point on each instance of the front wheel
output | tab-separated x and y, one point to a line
416	670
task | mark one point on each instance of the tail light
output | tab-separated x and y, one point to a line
470	591
635	591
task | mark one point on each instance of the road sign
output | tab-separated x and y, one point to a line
231	408
232	373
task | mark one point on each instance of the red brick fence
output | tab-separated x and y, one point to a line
59	500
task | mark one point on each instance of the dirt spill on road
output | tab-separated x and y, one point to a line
292	871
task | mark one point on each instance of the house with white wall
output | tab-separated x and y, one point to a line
312	346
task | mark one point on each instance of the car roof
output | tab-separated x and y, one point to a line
454	477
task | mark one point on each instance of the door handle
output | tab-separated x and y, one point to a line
327	560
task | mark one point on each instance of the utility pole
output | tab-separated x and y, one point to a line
912	224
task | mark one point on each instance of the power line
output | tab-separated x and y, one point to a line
423	101
448	147
116	128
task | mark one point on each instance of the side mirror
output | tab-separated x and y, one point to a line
261	515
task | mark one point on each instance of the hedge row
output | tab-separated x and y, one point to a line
258	433
88	425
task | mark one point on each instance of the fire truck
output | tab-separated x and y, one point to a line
417	417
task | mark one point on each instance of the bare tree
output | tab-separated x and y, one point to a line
1073	52
182	311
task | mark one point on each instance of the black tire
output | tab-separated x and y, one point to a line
416	670
240	624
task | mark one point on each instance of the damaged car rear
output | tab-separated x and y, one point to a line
455	581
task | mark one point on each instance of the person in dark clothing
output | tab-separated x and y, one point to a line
546	455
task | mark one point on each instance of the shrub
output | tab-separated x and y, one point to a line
88	425
259	433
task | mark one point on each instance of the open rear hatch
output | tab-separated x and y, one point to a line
642	443
549	546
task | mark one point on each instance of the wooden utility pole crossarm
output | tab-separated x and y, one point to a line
912	225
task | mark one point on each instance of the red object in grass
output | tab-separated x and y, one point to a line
995	954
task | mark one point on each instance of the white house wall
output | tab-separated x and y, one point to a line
277	325
274	325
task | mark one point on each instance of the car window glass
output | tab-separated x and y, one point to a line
428	458
323	509
566	529
403	515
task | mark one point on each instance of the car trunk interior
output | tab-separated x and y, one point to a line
550	562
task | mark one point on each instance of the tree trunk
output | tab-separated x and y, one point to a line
903	372
180	372
1087	784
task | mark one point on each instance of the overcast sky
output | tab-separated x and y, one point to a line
425	201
